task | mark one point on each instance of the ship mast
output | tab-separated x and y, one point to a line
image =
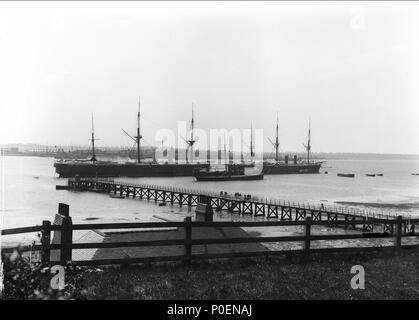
225	152
138	136
276	143
191	141
93	142
277	139
251	143
308	146
241	151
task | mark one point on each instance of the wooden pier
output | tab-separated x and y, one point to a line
247	205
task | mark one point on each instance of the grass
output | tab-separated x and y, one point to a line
387	276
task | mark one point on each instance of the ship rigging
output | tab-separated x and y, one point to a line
138	137
308	145
276	143
191	141
93	159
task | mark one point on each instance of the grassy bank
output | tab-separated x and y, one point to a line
387	276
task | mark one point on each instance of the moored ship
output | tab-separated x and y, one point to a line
68	169
285	167
96	168
231	173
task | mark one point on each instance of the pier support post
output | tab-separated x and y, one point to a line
399	231
346	218
272	211
307	235
188	240
203	211
286	213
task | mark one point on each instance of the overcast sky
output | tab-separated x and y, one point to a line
350	67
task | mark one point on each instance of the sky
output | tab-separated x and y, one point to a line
350	67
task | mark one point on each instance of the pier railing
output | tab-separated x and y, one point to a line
66	246
92	184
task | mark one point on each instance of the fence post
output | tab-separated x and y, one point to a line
188	238
64	236
307	235
67	239
399	232
45	242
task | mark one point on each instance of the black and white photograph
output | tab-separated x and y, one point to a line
210	155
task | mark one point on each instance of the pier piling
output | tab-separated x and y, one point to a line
253	205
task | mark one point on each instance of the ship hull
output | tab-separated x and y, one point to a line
88	169
229	177
294	168
69	170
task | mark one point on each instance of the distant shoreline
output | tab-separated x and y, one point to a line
314	156
405	205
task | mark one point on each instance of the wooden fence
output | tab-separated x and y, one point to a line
66	246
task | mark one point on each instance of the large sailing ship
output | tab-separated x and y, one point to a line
94	167
97	168
284	166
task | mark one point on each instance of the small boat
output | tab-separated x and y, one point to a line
231	173
227	177
379	174
415	174
117	196
98	190
58	187
370	175
162	204
346	175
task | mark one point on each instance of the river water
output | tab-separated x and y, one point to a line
28	192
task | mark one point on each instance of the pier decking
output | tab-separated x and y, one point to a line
246	205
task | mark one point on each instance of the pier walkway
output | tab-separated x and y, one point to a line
251	205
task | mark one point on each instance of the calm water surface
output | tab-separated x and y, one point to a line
29	195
